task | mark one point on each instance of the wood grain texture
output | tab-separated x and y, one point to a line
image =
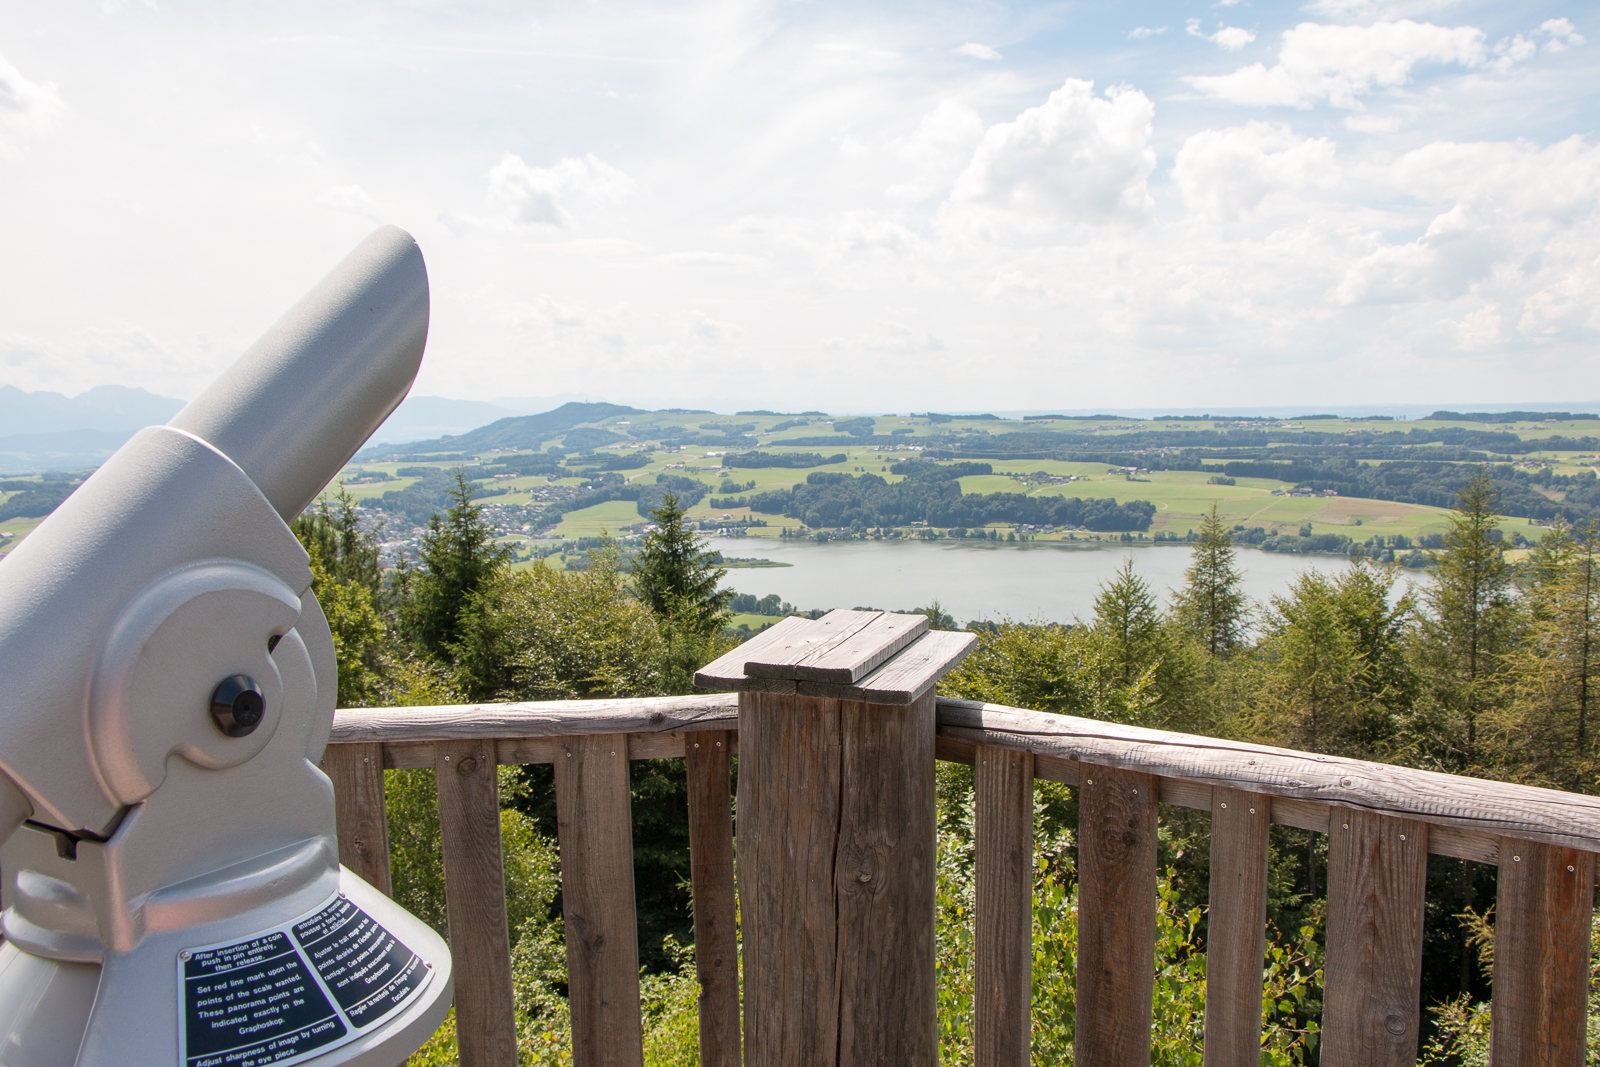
1116	917
594	828
716	950
903	679
1237	933
884	887
845	656
1002	969
726	670
475	902
802	641
1541	955
1377	881
550	718
790	771
1469	804
361	815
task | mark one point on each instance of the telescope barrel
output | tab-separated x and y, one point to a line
298	404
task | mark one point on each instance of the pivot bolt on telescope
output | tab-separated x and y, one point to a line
169	872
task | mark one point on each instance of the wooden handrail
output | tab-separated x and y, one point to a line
1381	823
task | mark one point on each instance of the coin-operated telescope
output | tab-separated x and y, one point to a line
172	891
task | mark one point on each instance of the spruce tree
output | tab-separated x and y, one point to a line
677	577
1128	620
1471	627
1212	605
459	558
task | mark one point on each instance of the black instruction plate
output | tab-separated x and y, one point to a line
294	991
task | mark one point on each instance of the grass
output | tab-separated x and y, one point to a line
590	522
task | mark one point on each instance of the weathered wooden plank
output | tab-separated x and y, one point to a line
400	755
1116	917
359	810
716	951
551	718
790	766
1182	794
1237	935
885	885
847	655
594	829
1541	955
1377	880
800	642
1496	808
726	672
907	677
1002	969
475	902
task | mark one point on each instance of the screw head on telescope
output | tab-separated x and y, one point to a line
237	705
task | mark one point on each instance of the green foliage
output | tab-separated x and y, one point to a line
1051	668
1212	605
677	577
458	557
544	634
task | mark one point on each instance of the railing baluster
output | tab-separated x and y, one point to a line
1116	917
595	826
475	901
360	812
1237	929
716	951
1003	968
1541	954
1377	879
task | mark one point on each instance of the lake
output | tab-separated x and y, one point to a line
1050	581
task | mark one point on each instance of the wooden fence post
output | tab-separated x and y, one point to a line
1377	881
595	825
1003	967
360	812
836	837
475	901
1116	917
1541	954
716	954
1236	941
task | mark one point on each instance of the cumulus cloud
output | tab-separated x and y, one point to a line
1225	174
1227	38
1144	33
1076	158
709	329
940	145
977	51
27	108
1559	34
542	197
895	337
1517	219
1340	64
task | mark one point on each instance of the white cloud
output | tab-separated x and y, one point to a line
1371	123
1225	174
1144	33
524	196
1559	34
937	149
27	108
1076	158
977	51
894	337
1340	64
351	199
709	329
1227	38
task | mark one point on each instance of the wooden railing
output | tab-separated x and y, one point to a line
1382	822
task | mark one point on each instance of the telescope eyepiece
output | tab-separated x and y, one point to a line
237	706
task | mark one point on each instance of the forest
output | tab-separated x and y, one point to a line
1488	671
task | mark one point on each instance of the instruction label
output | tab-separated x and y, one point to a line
292	992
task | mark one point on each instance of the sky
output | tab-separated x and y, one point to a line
846	206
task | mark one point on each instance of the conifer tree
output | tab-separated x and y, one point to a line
1212	605
1128	619
459	557
677	578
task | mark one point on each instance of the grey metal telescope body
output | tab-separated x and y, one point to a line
152	835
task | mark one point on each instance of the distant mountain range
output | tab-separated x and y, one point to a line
522	431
